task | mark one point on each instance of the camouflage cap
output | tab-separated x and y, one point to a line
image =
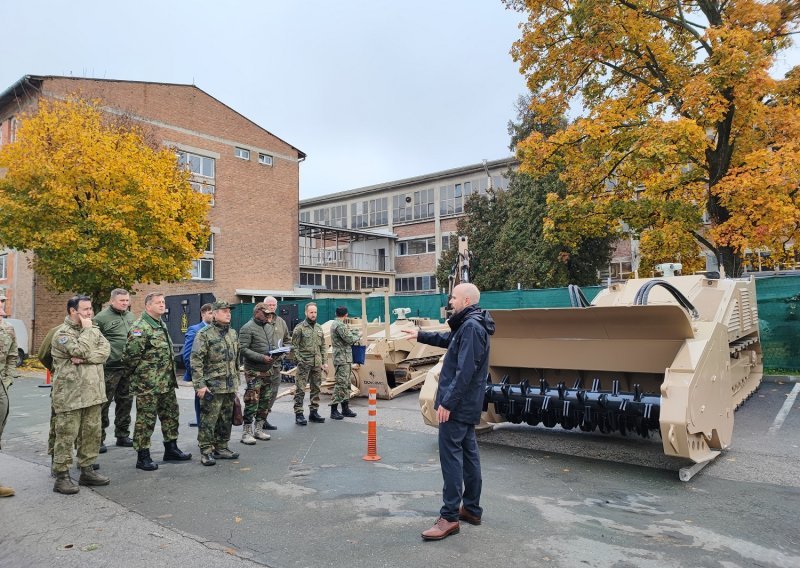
221	304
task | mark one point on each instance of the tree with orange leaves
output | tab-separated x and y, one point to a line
684	138
97	204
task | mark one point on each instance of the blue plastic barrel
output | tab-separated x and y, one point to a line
359	354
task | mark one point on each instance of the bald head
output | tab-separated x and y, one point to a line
464	295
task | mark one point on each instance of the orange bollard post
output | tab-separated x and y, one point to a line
372	427
47	382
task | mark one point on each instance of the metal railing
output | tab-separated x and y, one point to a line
327	258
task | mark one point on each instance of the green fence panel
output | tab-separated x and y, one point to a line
779	319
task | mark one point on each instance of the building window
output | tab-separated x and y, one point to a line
305	216
322	216
401	208
447	240
415	283
203	269
416	246
201	187
451	199
210	244
423	204
338	282
370	282
313	279
241	153
372	213
339	216
265	159
3	266
202	166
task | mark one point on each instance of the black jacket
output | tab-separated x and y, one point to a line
466	364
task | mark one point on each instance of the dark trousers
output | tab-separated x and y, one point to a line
461	469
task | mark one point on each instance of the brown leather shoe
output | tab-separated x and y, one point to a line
468	517
441	528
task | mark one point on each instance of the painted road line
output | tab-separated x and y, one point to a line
784	411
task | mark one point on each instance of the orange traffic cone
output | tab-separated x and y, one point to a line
372	427
47	382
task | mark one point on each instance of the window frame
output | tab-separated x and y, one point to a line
265	159
241	153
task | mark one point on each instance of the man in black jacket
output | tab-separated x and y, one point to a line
459	401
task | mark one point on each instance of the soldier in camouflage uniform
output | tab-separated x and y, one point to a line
342	339
8	372
148	357
308	345
79	351
265	332
215	374
115	322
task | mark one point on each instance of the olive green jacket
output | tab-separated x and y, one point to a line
308	344
82	385
257	339
214	359
115	326
149	358
8	352
342	339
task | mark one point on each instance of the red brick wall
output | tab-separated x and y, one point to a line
256	206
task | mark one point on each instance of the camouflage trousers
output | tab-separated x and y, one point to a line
260	393
79	428
214	430
307	374
118	390
341	385
5	408
148	406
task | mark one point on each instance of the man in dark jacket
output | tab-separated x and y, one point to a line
459	402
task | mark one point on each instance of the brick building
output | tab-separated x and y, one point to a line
250	172
390	234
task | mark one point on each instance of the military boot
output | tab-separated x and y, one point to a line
144	462
315	417
6	491
335	414
299	419
268	426
259	433
64	484
346	412
207	458
225	454
247	435
90	477
173	453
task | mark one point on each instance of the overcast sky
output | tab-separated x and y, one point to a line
373	91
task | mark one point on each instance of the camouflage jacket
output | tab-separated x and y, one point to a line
148	357
257	339
342	338
115	326
83	385
8	352
308	344
214	360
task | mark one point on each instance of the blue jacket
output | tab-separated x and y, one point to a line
186	354
462	381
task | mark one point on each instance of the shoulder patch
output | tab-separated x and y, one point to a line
136	332
63	339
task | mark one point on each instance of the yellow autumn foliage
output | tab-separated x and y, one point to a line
97	204
683	137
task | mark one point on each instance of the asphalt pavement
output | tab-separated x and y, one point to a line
307	498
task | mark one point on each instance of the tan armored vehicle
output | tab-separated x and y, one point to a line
675	356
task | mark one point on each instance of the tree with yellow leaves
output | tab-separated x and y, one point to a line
97	204
684	137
